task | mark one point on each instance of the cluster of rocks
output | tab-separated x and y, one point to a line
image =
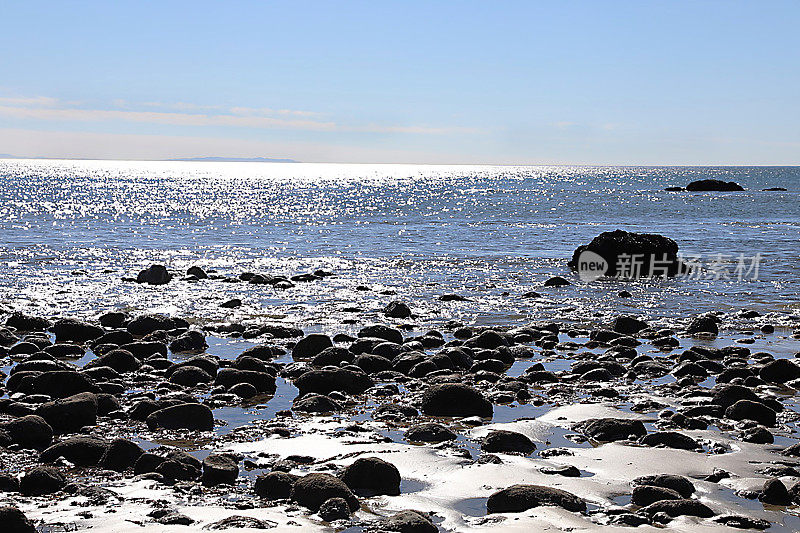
53	406
157	274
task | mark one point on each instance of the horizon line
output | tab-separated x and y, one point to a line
268	160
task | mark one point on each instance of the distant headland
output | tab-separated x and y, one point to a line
190	159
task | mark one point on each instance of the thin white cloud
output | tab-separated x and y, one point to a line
37	101
194	115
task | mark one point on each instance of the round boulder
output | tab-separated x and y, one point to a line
454	399
369	476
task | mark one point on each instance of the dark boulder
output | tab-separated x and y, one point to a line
372	364
327	380
120	360
146	324
369	476
244	390
379	331
206	363
192	416
683	507
191	341
154	275
219	469
487	340
190	376
312	490
316	403
519	498
613	429
22	322
397	310
310	346
264	352
703	324
727	395
113	319
679	484
429	432
453	399
77	331
69	415
80	451
651	247
120	455
394	410
711	185
63	383
333	356
41	480
409	522
750	410
275	485
146	349
507	441
758	435
7	337
629	325
15	521
239	522
263	382
29	431
779	371
334	509
197	272
670	439
117	336
143	408
561	470
644	495
556	281
775	493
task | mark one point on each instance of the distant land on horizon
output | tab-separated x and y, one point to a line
190	159
235	160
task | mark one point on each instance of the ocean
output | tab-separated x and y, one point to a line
70	230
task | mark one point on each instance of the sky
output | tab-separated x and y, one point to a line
530	82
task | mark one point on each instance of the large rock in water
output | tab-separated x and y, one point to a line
154	275
519	498
610	245
192	416
713	185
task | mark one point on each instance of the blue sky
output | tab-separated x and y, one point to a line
595	82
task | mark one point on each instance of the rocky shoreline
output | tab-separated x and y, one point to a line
144	421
